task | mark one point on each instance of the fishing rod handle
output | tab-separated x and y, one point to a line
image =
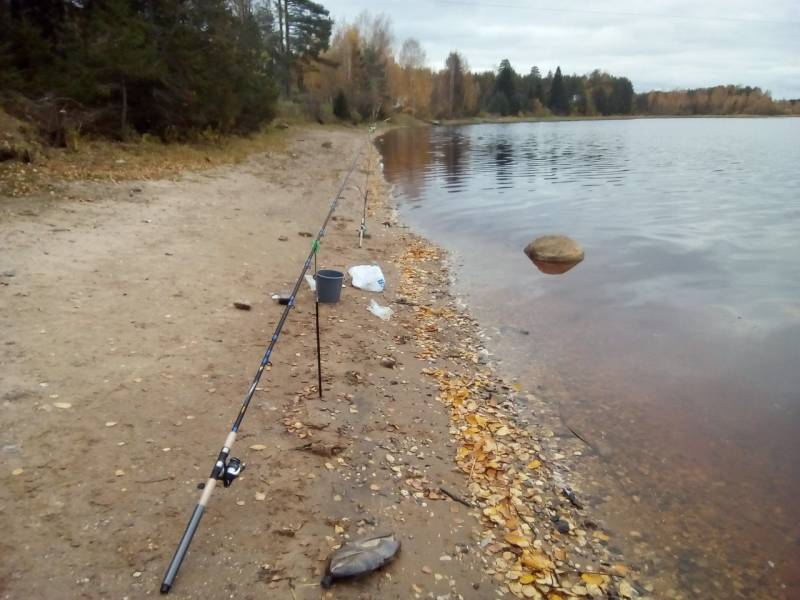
183	547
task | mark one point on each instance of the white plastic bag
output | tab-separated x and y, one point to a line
382	312
312	283
367	277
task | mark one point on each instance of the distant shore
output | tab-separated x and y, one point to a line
555	119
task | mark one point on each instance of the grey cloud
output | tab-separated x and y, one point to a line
723	41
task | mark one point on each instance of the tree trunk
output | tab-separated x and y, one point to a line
288	49
124	116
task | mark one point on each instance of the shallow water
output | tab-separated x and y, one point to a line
674	348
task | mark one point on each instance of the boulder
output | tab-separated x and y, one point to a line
554	254
554	248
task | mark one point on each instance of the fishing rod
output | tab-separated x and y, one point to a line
362	229
227	468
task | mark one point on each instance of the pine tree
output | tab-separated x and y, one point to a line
559	103
120	52
304	30
505	86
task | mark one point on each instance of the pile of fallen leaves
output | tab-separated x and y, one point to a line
535	549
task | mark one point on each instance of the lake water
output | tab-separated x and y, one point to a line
674	347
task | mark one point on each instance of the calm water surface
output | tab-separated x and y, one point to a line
674	348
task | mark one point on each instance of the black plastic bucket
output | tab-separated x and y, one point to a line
329	285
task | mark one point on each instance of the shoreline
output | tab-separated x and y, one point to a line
135	287
555	119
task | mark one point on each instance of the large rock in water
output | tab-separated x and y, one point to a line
554	254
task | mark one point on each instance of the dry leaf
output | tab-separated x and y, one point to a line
626	590
530	592
518	540
534	464
536	560
593	578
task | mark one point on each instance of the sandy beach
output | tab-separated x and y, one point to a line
125	362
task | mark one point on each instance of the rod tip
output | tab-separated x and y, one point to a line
165	587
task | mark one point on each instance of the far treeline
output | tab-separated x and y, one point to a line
180	68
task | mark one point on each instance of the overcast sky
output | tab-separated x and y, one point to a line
660	44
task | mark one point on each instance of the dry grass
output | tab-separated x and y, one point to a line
101	160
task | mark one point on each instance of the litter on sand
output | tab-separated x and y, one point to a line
367	277
382	312
312	284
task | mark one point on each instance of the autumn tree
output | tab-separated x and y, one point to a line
454	73
412	60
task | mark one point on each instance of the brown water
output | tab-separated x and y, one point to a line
674	348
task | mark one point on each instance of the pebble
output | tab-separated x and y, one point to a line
16	472
62	404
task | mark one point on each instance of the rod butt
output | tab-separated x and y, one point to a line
183	547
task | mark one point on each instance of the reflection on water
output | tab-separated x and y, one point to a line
675	347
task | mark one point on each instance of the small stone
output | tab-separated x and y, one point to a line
241	305
260	496
110	423
137	574
258	447
119	473
562	526
388	362
240	503
427	570
283	238
62	405
18	471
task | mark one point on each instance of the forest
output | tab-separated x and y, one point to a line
178	68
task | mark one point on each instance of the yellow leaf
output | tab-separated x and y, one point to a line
530	592
593	578
534	464
502	431
518	540
536	560
527	578
600	536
